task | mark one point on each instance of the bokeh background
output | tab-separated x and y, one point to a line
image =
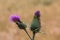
50	19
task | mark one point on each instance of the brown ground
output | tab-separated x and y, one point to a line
50	19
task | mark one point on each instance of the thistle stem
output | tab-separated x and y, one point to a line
27	34
33	35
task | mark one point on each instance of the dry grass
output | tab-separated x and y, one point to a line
50	19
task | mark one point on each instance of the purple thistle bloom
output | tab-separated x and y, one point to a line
37	13
15	18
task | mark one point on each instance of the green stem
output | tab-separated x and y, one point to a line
27	34
33	35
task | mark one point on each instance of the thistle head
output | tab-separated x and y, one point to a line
14	18
37	13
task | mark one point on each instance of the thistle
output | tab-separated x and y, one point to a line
35	25
17	20
20	24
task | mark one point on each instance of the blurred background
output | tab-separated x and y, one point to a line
50	19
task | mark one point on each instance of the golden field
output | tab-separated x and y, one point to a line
50	19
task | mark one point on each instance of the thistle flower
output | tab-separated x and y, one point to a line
35	25
17	20
14	18
37	13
